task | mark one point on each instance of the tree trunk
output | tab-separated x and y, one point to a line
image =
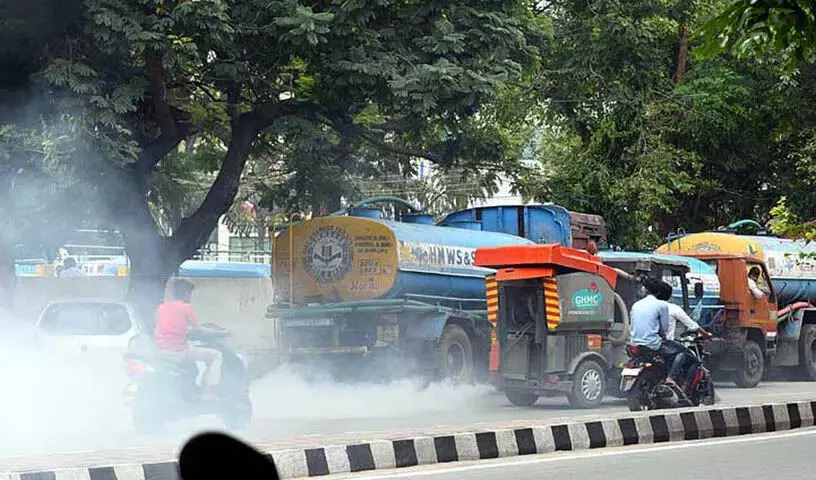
682	56
154	259
150	264
8	281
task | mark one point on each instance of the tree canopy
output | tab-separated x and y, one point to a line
153	88
157	115
652	131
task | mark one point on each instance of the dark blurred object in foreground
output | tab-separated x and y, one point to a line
218	456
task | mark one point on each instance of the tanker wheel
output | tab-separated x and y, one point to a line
521	399
753	366
455	355
588	385
807	352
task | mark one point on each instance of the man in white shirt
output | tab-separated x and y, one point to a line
677	314
753	276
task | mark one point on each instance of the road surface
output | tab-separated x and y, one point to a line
287	408
781	456
291	413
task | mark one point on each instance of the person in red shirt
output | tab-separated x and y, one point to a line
175	320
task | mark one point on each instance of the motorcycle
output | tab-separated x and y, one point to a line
168	386
643	379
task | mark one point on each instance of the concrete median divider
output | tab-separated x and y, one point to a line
635	429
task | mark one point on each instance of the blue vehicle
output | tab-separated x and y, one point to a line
704	309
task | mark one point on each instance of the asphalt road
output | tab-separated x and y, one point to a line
292	413
781	456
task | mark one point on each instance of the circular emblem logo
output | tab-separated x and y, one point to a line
328	255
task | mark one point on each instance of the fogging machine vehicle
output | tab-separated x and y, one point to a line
643	378
557	332
168	387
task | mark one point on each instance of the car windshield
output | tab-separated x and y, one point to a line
85	319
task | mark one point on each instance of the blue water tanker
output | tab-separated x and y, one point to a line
404	294
545	223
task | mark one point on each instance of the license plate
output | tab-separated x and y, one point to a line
307	322
627	383
630	372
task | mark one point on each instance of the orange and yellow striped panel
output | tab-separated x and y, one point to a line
492	297
551	302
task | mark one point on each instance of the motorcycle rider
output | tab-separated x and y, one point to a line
175	321
677	314
649	321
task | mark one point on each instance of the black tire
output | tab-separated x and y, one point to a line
753	366
455	355
237	413
807	352
588	385
634	403
637	398
521	399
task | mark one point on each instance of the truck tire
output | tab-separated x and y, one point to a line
455	355
753	366
521	399
807	352
588	385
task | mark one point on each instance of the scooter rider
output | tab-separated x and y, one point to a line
649	322
677	314
175	320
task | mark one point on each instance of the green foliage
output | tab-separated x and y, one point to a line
628	140
786	223
750	28
169	97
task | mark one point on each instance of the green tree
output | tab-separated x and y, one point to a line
750	28
611	62
652	135
139	77
785	29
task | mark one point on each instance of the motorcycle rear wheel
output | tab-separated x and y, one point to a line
637	399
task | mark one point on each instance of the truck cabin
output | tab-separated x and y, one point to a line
741	307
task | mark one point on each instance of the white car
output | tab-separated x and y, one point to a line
91	337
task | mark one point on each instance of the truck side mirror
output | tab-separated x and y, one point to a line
698	290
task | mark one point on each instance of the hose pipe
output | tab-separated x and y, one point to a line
624	336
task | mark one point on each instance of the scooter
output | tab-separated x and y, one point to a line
643	379
168	387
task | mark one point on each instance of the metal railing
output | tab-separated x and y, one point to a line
254	256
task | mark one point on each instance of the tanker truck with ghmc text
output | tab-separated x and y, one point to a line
359	296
